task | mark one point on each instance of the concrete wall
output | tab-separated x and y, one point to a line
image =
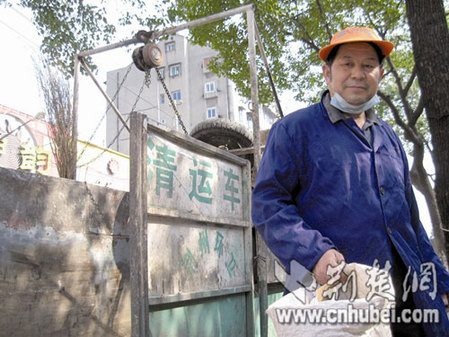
64	267
64	257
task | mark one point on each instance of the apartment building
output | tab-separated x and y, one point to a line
198	93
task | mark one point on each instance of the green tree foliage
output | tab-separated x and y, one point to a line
293	32
70	26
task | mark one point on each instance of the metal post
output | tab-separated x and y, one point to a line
109	47
248	237
138	210
261	258
108	99
254	86
267	67
168	31
138	226
202	21
76	72
262	286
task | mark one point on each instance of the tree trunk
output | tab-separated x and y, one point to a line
421	181
430	38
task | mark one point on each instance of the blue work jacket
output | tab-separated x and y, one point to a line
322	185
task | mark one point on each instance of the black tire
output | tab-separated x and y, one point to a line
223	133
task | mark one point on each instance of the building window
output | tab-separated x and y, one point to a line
206	62
162	98
170	46
161	71
176	95
241	111
175	70
209	87
211	112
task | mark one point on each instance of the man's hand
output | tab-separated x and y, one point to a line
331	257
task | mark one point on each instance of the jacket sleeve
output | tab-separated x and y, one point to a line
427	252
274	211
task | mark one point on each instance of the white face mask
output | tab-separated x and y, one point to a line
340	103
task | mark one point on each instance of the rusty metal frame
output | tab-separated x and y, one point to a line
139	327
138	228
252	30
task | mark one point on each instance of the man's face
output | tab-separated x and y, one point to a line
355	73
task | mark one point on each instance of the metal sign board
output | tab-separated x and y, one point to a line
187	258
199	232
192	183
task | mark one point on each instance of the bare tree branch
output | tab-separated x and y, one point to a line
410	80
56	93
324	18
409	127
396	76
308	40
418	112
409	131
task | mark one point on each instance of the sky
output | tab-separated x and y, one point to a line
19	41
19	37
19	88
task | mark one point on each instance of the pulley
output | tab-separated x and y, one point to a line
147	57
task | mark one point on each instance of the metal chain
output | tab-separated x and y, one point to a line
148	78
103	117
178	115
112	99
146	82
107	147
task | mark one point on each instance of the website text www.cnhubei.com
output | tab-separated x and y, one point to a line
350	314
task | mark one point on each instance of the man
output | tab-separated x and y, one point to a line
334	185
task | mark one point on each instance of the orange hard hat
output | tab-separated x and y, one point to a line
356	34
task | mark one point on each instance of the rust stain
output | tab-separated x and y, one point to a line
16	222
